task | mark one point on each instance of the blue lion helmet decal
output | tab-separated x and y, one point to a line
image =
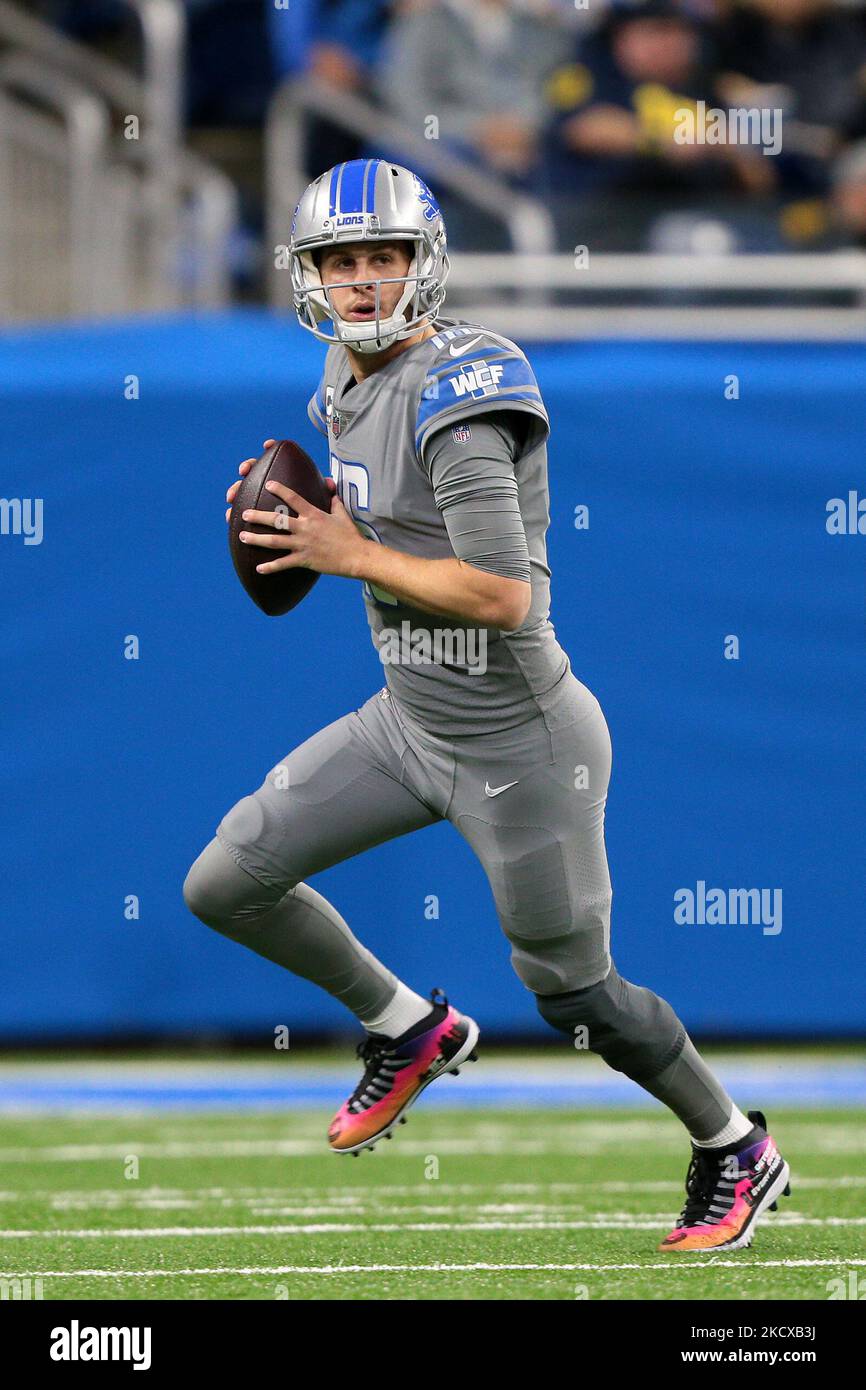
428	201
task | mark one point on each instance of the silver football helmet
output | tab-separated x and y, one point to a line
368	200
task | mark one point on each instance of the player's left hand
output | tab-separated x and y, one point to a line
328	542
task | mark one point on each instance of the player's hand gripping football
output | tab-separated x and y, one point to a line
244	470
326	542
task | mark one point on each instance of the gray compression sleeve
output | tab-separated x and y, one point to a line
475	487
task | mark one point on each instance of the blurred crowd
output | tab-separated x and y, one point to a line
576	102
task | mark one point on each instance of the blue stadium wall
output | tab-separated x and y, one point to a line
707	519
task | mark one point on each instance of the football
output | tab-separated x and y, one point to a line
284	462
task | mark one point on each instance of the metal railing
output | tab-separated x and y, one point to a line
157	98
53	160
539	293
648	295
92	223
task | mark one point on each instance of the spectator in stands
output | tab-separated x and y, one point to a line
347	40
470	74
616	110
807	58
338	41
848	199
812	48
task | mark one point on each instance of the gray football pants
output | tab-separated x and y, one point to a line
529	801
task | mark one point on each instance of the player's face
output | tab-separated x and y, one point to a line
363	264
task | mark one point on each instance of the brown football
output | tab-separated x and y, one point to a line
284	462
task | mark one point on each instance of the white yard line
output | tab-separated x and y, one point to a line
601	1223
678	1262
350	1197
577	1148
296	1148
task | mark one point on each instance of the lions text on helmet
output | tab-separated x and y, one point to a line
361	201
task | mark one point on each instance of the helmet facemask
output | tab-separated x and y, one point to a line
417	306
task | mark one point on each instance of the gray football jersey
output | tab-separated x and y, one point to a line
452	677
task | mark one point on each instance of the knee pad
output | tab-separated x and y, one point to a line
222	894
634	1030
553	906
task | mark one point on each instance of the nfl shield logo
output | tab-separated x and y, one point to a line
461	433
336	424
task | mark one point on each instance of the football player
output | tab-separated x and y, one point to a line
436	434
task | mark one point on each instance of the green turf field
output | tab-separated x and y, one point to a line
535	1205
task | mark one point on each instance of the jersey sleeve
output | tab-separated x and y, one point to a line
492	374
472	471
316	409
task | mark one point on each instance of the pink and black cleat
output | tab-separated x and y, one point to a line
727	1193
397	1071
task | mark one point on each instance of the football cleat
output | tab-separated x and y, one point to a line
727	1193
397	1071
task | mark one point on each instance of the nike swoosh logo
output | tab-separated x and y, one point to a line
494	791
459	348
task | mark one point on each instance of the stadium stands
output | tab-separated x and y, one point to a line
707	129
